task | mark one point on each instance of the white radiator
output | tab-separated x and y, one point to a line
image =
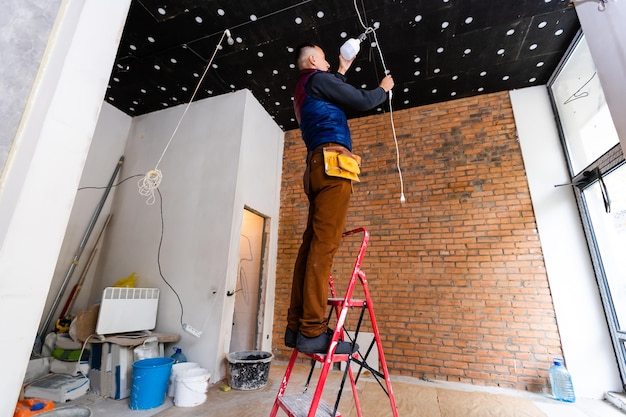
125	310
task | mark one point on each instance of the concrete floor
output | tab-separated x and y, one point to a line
259	402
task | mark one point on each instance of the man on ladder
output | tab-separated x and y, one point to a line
319	99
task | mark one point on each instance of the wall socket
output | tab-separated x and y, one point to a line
192	331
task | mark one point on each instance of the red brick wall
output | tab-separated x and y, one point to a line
457	273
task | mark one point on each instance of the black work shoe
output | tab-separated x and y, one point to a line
290	338
319	344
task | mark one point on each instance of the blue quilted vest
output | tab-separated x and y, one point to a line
320	121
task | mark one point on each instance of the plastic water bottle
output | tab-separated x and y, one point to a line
178	355
561	382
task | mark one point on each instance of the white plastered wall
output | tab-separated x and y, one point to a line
44	168
580	318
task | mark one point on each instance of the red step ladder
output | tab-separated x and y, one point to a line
311	405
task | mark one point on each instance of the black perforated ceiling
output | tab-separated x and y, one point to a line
437	50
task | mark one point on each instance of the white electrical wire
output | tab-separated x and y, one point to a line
369	29
151	181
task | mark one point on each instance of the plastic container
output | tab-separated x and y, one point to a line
249	369
177	369
191	387
150	378
178	355
561	382
148	349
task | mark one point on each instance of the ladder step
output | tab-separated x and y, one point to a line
338	302
321	357
298	405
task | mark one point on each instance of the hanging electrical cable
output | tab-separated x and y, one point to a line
354	47
151	181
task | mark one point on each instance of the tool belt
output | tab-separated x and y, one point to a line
340	162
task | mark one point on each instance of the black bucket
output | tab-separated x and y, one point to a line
249	369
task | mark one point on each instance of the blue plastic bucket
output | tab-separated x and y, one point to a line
150	377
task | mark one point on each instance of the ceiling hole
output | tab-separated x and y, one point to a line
174	99
532	80
277	103
221	12
533	47
195	74
437	70
275	72
283	87
267	90
249	72
183	88
455	77
214	65
434	91
161	10
406	101
481	89
363	85
540	64
445	25
542	25
164	104
467	51
418	18
132	47
500	51
439	50
505	78
117	80
483	73
406	90
298	20
469	20
209	91
143	91
510	32
260	54
135	102
373	44
231	86
198	19
151	39
289	49
253	17
162	88
111	99
292	65
417	59
238	39
343	34
416	73
131	108
358	69
453	93
320	14
559	32
157	67
173	60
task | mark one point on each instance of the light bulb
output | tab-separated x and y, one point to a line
229	39
351	47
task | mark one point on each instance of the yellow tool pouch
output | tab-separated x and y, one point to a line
339	162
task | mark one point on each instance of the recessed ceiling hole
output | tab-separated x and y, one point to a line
483	73
161	10
151	39
373	44
539	64
195	74
283	87
231	86
298	20
275	72
173	60
142	91
481	89
174	99
434	91
183	88
445	25
117	80
198	19
455	77
320	14
111	98
253	17
406	101
238	39
417	59
221	12
532	80
418	18
500	51
260	54
559	32
277	103
467	51
542	25
406	90
343	34
249	72
131	108
510	32
157	67
214	65
505	78
469	20
267	90
135	102
453	93
363	85
533	47
437	70
439	50
209	91
358	69
163	88
416	73
289	49
164	104
292	65
132	47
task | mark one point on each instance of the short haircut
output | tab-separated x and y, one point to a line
298	52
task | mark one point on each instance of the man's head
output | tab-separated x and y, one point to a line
310	56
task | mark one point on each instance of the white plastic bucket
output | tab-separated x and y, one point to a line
191	387
178	368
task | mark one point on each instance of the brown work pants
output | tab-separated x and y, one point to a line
329	198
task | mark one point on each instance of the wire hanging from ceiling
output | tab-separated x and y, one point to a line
151	181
